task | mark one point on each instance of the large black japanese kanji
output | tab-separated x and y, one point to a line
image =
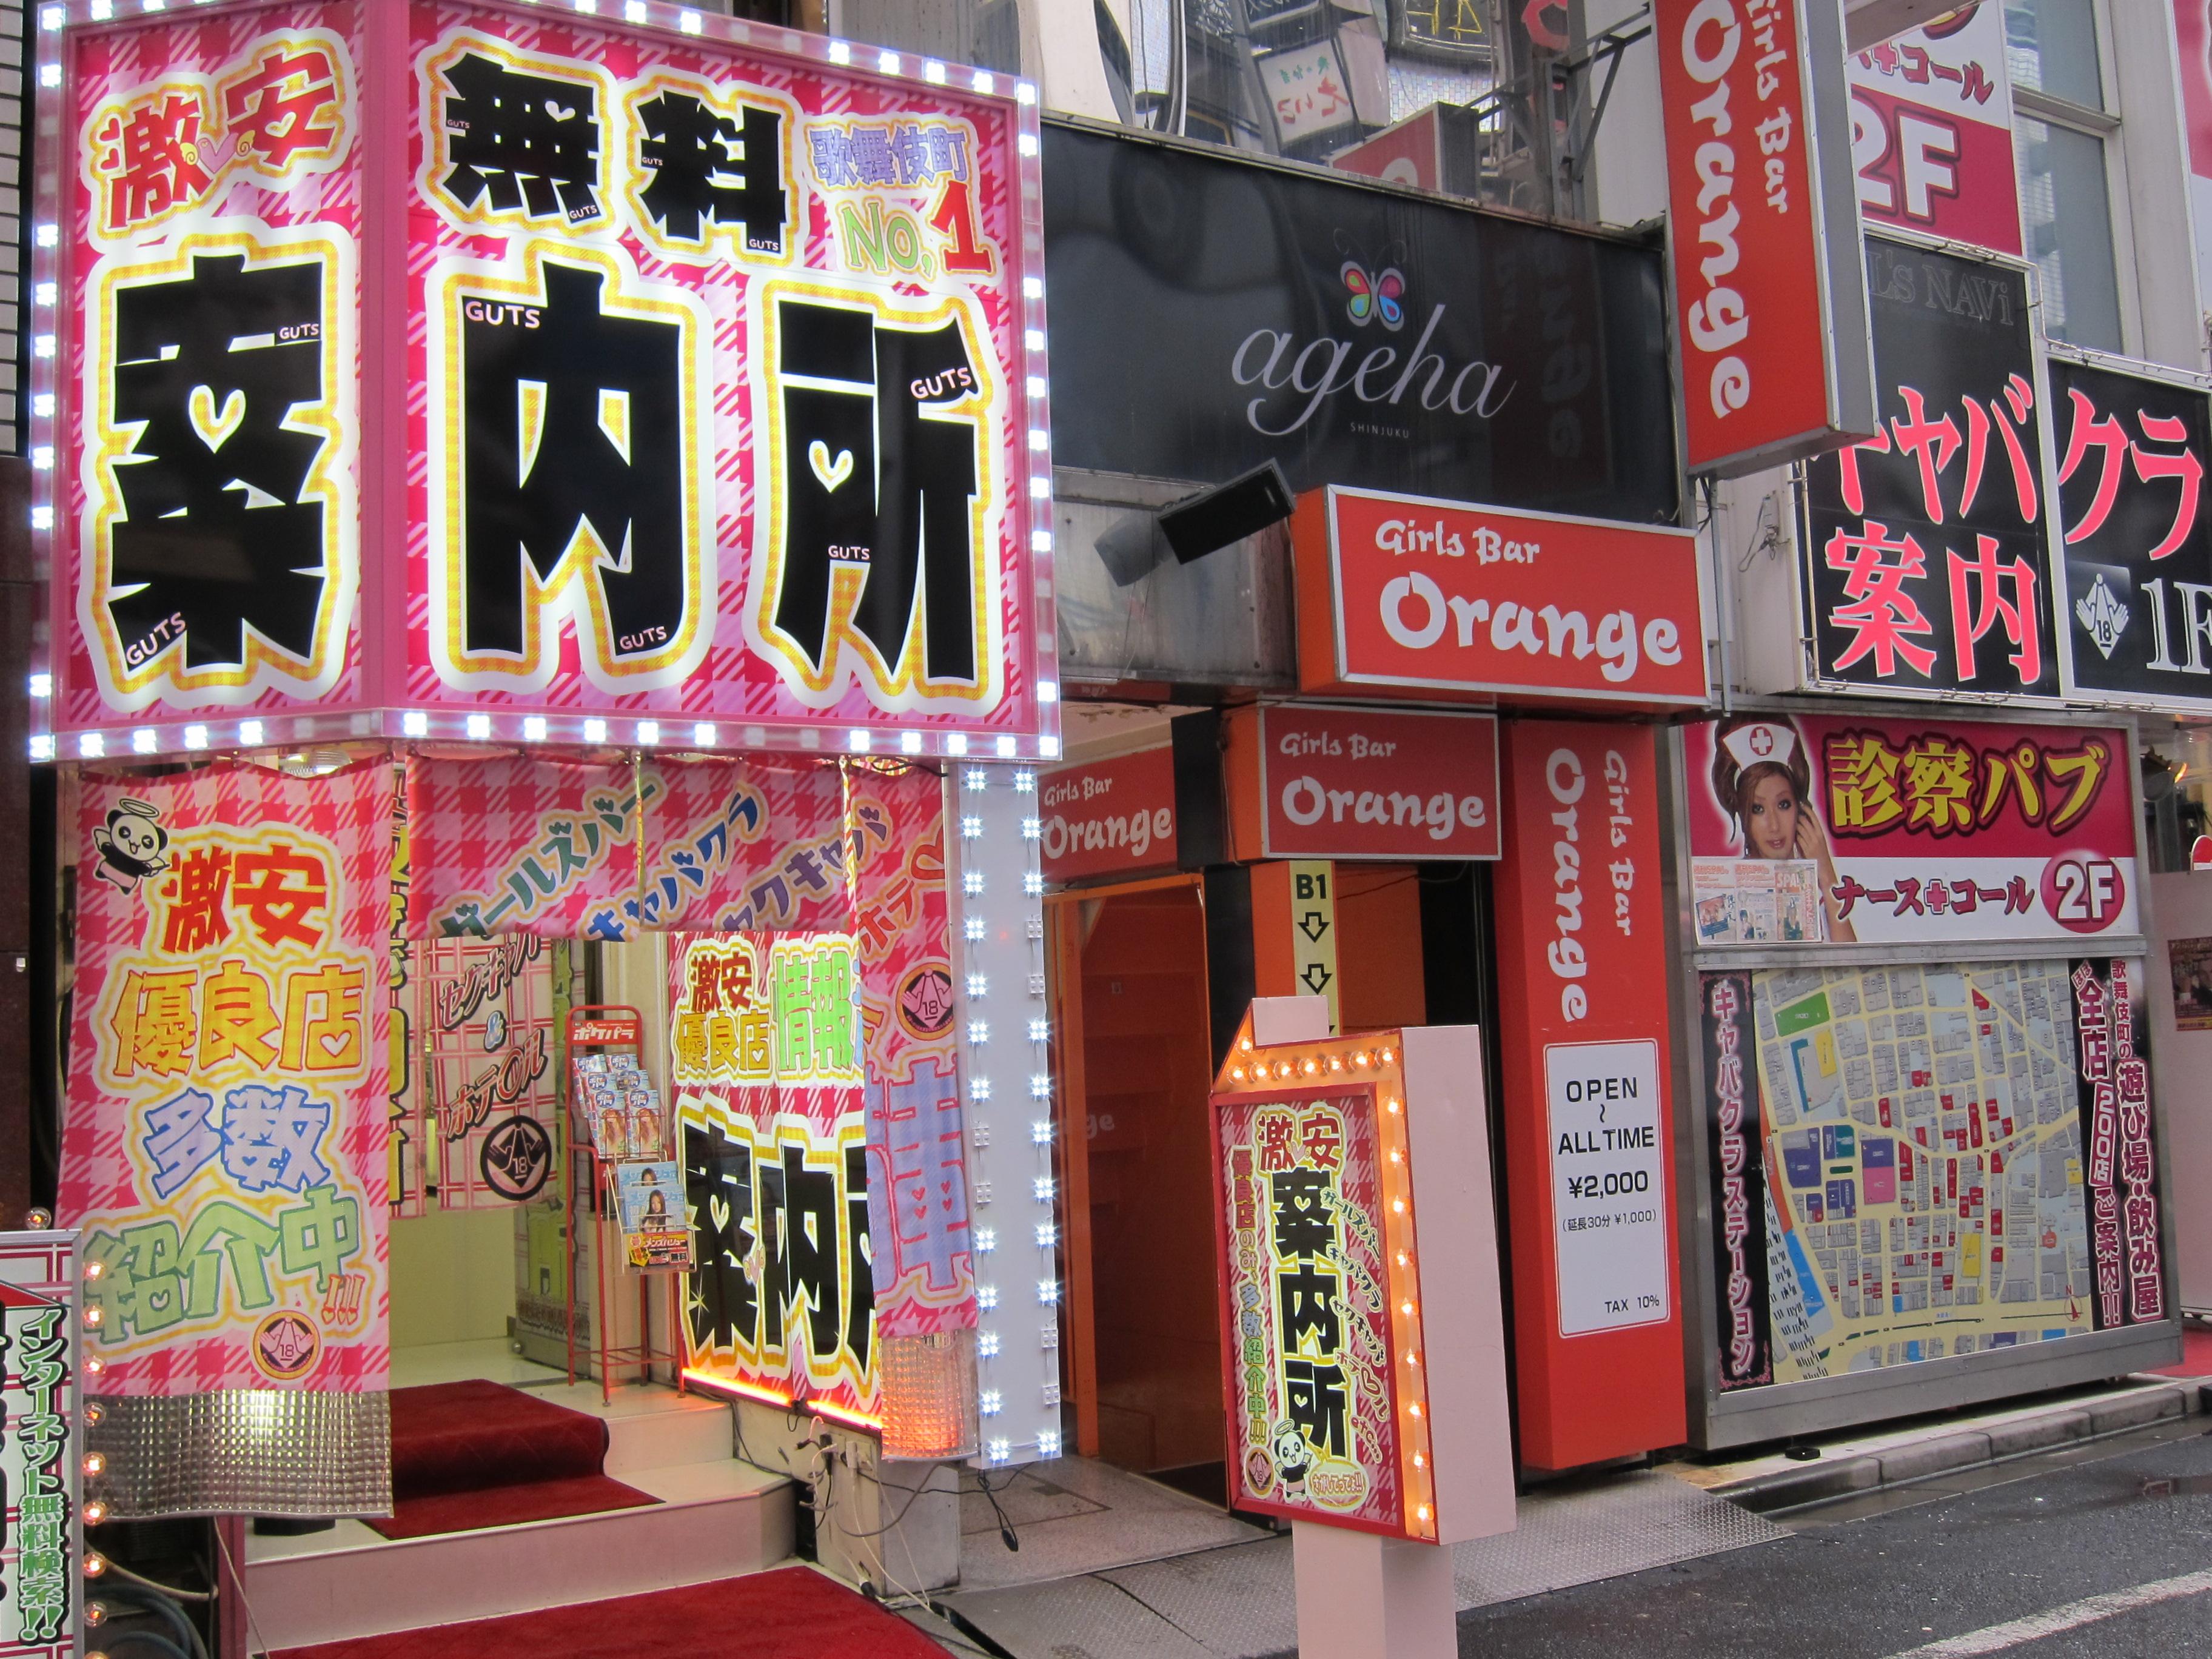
709	170
723	1307
214	533
528	143
861	1288
516	508
872	478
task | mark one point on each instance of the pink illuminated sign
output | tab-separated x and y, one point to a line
471	369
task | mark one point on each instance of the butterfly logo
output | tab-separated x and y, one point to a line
1381	295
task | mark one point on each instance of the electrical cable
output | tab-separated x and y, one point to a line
1007	1536
916	1496
170	1591
146	1601
143	1639
238	1580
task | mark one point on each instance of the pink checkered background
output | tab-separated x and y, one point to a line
100	1188
120	62
734	683
536	844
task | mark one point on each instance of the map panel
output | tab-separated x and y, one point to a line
1923	1169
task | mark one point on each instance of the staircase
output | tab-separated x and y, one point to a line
717	1518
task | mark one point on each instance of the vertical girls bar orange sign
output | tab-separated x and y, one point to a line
1770	297
1589	1122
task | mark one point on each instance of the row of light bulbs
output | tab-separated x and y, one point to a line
1043	1227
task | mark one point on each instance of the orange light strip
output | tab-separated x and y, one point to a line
714	1383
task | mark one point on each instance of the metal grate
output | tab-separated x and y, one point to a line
244	1451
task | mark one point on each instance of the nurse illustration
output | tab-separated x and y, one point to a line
1763	780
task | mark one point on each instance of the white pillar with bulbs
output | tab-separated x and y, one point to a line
997	900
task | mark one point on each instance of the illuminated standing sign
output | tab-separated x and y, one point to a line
1361	1390
686	377
1763	227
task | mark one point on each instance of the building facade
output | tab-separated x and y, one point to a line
1670	535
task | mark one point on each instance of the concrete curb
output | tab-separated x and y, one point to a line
1940	1454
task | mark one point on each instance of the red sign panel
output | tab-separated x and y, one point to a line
1581	925
612	339
1766	287
1931	132
1110	817
1344	783
1805	830
1408	596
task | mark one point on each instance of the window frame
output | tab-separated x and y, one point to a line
2106	126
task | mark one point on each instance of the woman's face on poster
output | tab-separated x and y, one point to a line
1770	818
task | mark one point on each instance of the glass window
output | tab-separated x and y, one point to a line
2051	48
2067	216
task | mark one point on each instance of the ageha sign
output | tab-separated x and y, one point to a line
1272	360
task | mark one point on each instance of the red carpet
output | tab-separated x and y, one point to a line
789	1613
467	1454
2196	1354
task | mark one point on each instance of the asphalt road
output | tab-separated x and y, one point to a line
1993	1563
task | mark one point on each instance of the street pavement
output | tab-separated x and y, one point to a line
2095	1551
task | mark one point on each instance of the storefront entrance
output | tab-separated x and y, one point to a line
1132	991
1132	1014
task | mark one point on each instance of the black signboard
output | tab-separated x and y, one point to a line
1927	565
1735	1147
2138	541
1210	314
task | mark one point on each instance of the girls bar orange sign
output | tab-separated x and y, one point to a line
1399	595
1769	301
1589	1126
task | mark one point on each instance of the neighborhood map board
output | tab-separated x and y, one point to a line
1922	1152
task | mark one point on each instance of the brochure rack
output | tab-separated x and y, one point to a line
612	1028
